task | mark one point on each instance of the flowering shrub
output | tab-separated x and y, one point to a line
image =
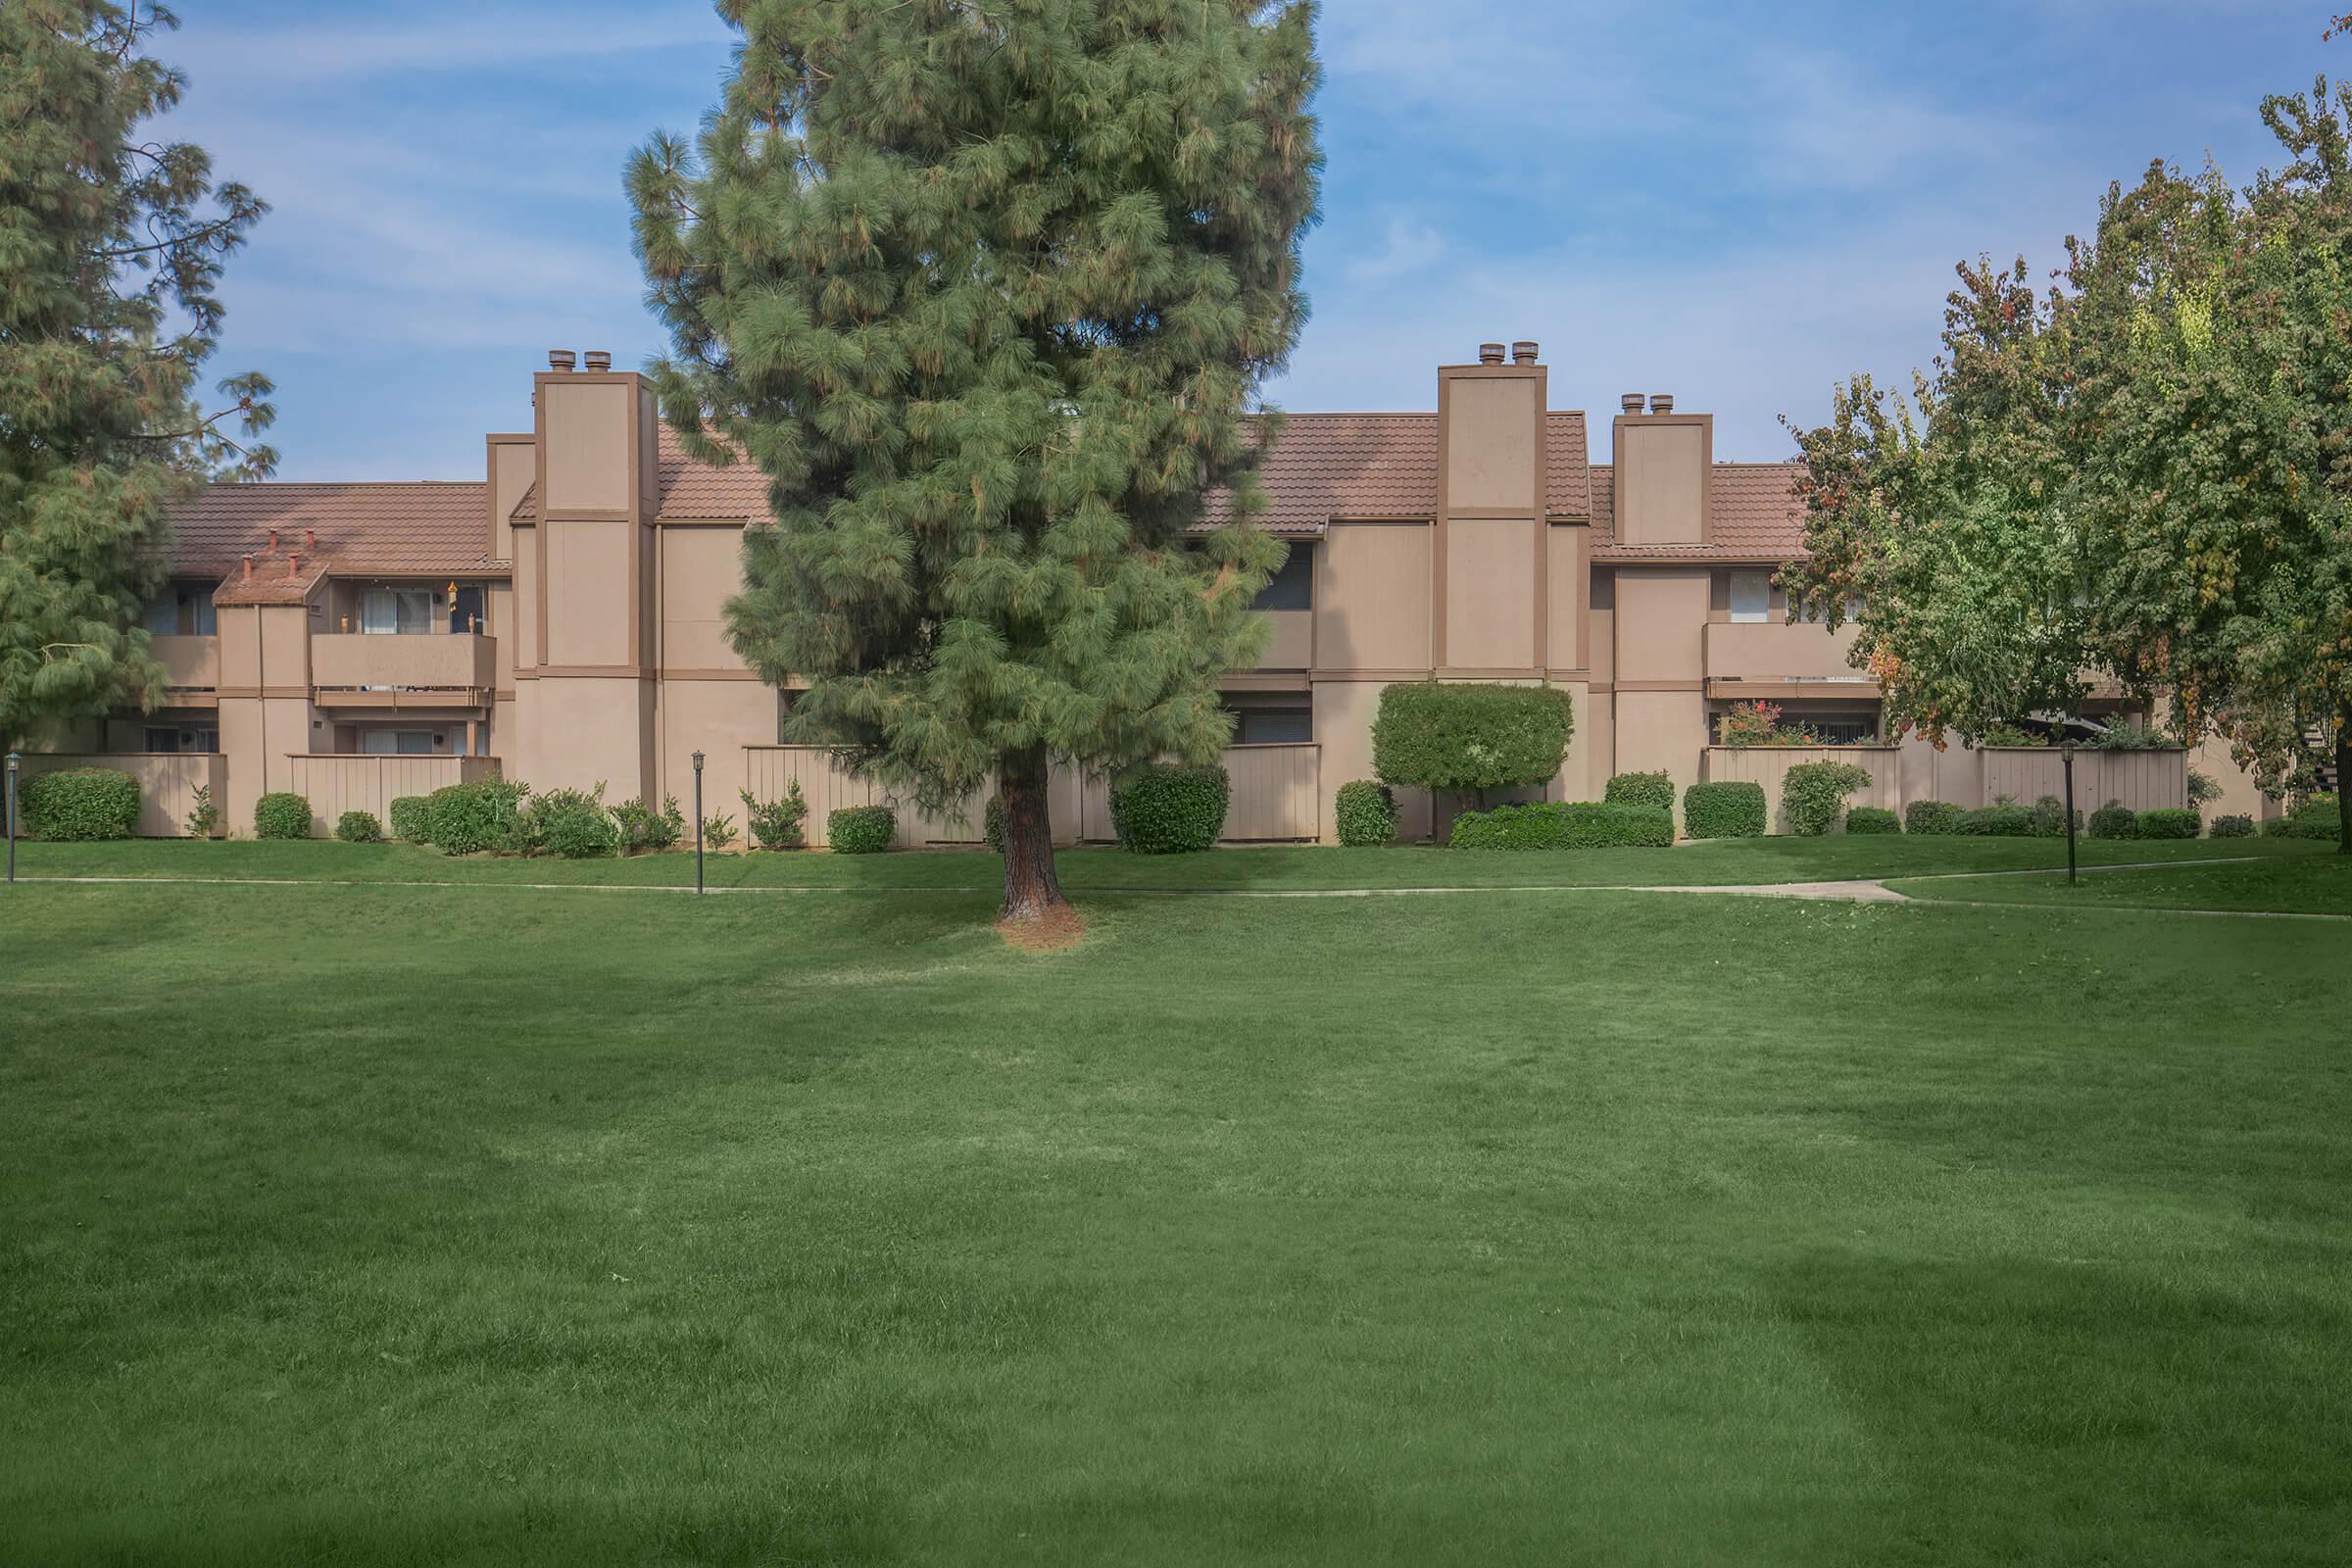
1759	723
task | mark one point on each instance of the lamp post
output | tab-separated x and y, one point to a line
2066	751
9	809
697	822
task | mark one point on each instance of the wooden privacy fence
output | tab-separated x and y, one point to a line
1968	778
167	783
1277	795
343	782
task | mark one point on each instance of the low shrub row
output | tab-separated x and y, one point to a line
78	805
2315	816
1871	819
1652	790
1564	825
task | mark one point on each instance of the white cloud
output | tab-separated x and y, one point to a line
1407	248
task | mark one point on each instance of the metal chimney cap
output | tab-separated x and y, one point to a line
561	358
1630	402
599	359
1490	354
1661	403
1523	352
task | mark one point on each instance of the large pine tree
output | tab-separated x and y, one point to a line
988	290
111	246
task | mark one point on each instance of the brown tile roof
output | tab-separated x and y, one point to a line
275	580
1757	517
690	491
423	527
1385	466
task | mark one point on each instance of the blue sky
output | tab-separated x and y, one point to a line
1738	202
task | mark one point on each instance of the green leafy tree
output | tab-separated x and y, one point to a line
987	291
111	248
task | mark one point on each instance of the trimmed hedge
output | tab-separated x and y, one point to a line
1872	819
409	820
861	829
1653	790
359	827
1564	825
79	803
1813	794
2171	823
2114	820
1442	736
281	814
1170	808
1933	819
2314	817
1726	811
2235	826
2000	822
1365	814
468	819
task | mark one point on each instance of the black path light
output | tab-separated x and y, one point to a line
2066	751
8	808
697	822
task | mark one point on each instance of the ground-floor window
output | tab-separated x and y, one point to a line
1273	726
396	743
171	739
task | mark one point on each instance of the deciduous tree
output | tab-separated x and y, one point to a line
987	290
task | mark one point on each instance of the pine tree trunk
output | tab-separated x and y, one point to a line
2344	780
1032	890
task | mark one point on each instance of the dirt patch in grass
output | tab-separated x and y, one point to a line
1057	931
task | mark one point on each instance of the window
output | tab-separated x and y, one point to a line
171	739
1752	596
406	611
1293	586
466	611
396	742
181	612
162	740
1273	726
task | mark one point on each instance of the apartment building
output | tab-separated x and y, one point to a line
561	618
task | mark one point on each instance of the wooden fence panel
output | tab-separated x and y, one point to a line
347	782
1277	792
2143	781
1768	766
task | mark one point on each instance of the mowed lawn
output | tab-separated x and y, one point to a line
366	1224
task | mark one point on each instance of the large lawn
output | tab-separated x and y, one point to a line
496	1225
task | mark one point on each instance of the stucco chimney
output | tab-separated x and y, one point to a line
1523	352
1490	354
599	359
561	358
1630	402
1661	403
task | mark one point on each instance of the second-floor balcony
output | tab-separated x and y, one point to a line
190	663
366	669
1775	654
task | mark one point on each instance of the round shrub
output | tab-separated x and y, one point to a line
2114	820
359	827
470	819
1813	794
1933	819
1725	810
2235	826
2169	823
1564	825
410	824
1170	808
1653	790
1872	819
281	814
861	829
78	804
1365	814
992	823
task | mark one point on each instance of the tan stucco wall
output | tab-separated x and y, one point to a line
514	463
1661	481
1568	575
1492	432
719	718
1661	732
701	569
1343	711
590	429
1489	593
1660	624
1372	598
588	581
575	731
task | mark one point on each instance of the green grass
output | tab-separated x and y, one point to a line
2309	884
1274	867
377	1224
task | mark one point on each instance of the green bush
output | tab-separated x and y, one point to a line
1365	812
2171	823
1564	825
2314	817
861	829
776	824
411	822
470	819
2004	733
1933	819
992	823
1813	794
644	828
1872	819
359	827
1726	811
2235	826
2114	820
2010	821
1653	790
281	814
79	803
1441	736
204	813
1168	808
719	832
2049	818
568	823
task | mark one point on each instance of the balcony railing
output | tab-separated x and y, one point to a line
190	663
1773	653
361	662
